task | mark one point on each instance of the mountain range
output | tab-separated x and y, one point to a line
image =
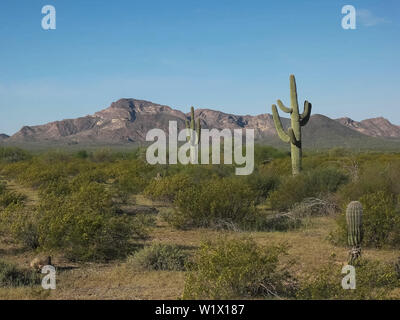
127	121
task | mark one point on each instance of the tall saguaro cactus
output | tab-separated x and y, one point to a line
293	136
354	213
193	136
191	125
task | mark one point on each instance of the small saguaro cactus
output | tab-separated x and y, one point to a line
190	137
354	229
293	136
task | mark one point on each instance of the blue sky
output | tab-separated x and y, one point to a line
234	56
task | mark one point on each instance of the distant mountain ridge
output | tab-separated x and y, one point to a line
128	120
375	127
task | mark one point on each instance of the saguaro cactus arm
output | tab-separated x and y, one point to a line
292	137
305	116
278	125
283	107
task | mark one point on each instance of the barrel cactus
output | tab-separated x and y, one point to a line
354	213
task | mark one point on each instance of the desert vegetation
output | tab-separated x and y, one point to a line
117	227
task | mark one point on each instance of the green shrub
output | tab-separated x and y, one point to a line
82	154
11	276
12	154
94	175
102	155
40	174
59	188
326	180
374	280
374	176
3	187
214	203
84	225
131	177
11	197
203	172
166	189
78	209
160	257
314	183
52	157
339	152
141	225
238	268
15	219
381	221
21	224
262	184
265	154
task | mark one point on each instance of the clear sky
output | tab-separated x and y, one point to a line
235	56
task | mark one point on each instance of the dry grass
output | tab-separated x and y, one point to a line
118	282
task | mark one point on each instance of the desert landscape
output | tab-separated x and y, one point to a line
116	227
180	154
